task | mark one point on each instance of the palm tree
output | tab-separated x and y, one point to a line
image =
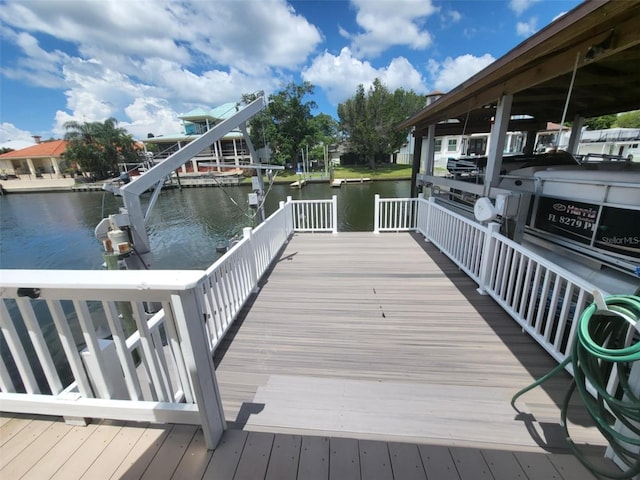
98	147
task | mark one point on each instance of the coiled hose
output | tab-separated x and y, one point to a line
603	340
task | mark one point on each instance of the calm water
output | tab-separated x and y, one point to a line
55	230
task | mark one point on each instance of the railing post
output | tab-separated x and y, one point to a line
334	213
487	256
429	206
246	232
199	364
634	387
376	214
285	223
291	222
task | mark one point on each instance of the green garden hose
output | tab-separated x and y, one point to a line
601	342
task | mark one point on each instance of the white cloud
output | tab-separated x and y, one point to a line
126	59
235	33
37	66
144	107
520	6
387	23
450	16
13	137
453	71
339	76
151	115
526	29
244	34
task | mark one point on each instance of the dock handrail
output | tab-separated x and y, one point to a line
158	366
315	215
132	363
156	374
544	298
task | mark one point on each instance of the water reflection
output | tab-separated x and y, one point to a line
55	230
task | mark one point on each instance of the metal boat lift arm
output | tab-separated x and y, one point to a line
155	176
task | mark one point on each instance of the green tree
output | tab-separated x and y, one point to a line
325	128
98	147
628	120
285	125
368	120
600	123
325	132
5	150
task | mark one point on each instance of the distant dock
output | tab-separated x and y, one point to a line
26	184
339	181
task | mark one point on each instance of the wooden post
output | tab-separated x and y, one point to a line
576	132
429	161
415	166
496	143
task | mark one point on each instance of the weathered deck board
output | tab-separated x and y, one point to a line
82	459
175	452
285	455
385	309
170	453
104	465
195	459
392	334
22	463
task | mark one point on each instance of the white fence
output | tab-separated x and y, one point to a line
315	215
83	344
86	344
394	214
545	299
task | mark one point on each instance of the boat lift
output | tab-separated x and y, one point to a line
124	234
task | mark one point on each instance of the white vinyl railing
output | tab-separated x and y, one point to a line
87	344
82	344
315	215
234	277
394	214
545	299
83	319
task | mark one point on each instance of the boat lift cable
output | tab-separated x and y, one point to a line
231	198
566	103
266	194
249	216
606	340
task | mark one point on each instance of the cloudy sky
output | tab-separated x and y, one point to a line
146	61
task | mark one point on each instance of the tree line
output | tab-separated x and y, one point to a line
366	126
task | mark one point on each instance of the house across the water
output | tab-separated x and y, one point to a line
222	155
36	160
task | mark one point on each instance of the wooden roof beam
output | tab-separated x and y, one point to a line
555	60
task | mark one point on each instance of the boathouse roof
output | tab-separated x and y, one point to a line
601	38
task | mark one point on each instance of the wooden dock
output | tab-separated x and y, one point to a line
46	448
371	353
337	182
381	336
